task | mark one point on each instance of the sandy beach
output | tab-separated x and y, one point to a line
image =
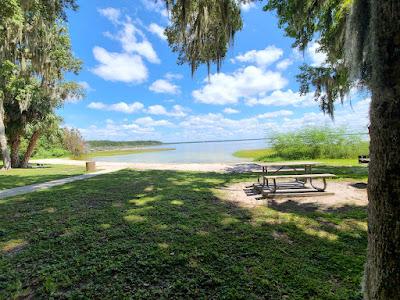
199	167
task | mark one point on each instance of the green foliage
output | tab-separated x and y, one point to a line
164	234
202	30
48	146
112	152
254	153
307	20
74	142
314	143
35	54
108	144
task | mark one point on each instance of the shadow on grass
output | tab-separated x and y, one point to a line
342	212
164	234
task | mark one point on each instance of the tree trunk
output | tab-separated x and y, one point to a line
32	144
3	139
15	142
382	270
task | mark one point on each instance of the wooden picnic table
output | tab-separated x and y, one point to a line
271	172
270	168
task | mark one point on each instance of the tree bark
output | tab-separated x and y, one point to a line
382	270
3	139
32	144
15	142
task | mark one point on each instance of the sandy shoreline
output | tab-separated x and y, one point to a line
200	167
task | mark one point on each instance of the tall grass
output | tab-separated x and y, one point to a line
312	143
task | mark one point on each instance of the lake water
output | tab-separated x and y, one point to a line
209	152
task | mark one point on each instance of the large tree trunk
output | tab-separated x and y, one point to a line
382	271
3	139
31	147
15	142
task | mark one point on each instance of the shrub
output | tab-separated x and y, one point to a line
312	143
73	142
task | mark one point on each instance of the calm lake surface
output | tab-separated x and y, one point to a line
209	152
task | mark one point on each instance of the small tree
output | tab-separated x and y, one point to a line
49	127
74	142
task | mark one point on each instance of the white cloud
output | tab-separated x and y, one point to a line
230	111
97	105
283	98
176	111
317	57
111	13
244	83
157	30
150	122
172	76
123	107
128	65
86	86
128	37
353	119
217	126
119	66
247	6
275	114
115	131
157	110
164	86
214	126
284	64
157	6
263	57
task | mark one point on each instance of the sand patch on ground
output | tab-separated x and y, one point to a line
346	194
104	165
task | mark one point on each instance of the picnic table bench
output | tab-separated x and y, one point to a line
300	172
309	177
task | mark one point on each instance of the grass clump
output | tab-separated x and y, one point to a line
315	143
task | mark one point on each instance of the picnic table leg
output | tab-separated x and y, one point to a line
307	170
317	188
274	187
266	182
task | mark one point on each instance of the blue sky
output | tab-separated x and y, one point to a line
135	90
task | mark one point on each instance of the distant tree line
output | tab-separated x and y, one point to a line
106	143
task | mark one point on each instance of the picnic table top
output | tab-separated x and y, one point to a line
288	163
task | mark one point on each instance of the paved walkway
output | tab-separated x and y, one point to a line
46	185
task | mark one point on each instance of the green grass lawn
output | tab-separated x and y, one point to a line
21	177
253	154
165	234
122	152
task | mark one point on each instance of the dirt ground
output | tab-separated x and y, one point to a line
345	194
